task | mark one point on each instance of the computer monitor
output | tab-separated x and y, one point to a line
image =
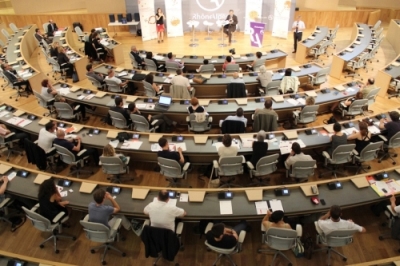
165	100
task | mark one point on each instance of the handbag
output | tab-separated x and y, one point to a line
199	80
298	249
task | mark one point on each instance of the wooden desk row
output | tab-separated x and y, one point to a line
304	47
387	74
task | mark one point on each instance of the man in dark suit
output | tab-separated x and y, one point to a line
231	27
139	60
13	77
40	37
51	28
119	108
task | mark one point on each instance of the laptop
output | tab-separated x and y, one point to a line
164	102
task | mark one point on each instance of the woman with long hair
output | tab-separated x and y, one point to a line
109	151
362	137
160	25
50	200
150	79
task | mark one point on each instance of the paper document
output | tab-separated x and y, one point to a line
276	205
131	145
247	142
11	176
90	96
225	207
184	197
123	73
155	147
349	131
114	143
286	145
63	91
3	113
15	120
374	130
81	97
25	122
261	207
64	193
175	146
150	106
141	105
158	57
171	202
292	101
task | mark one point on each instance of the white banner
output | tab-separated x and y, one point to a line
253	13
281	18
147	19
173	13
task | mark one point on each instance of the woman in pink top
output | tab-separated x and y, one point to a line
228	60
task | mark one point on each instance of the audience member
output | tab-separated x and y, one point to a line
265	76
92	74
54	49
338	138
161	213
51	28
228	61
331	221
47	134
150	79
223	237
111	76
227	149
345	104
251	65
4	131
271	121
237	78
171	59
289	83
40	37
109	151
362	137
168	154
195	107
149	55
64	62
238	117
16	80
205	62
296	155
391	127
119	108
368	87
51	202
75	146
164	123
274	220
99	50
180	80
139	60
260	148
100	212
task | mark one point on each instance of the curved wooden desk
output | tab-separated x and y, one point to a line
387	74
303	47
5	256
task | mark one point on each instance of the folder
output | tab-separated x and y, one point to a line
87	187
131	98
278	98
40	178
208	57
196	196
119	69
360	182
44	121
112	134
254	194
308	191
329	128
4	168
290	134
203	102
18	113
154	137
241	101
311	93
200	139
339	88
100	94
74	89
140	193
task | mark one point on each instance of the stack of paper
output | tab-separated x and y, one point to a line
374	130
184	197
261	207
114	143
225	207
131	145
276	205
349	131
63	91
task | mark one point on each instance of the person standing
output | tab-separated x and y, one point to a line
298	27
231	26
160	25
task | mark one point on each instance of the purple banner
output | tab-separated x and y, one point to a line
256	33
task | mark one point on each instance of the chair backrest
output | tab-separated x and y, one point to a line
342	153
322	76
309	113
95	82
13	27
150	92
42	102
266	165
170	168
266	122
370	152
179	92
232	126
65	155
280	238
357	106
236	90
372	95
322	48
96	232
230	68
112	165
303	169
78	31
273	87
45	26
140	123
209	68
171	67
230	166
118	120
198	126
133	61
38	221
150	65
113	86
339	238
394	142
258	63
64	110
5	33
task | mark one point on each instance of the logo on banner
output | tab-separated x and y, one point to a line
257	33
210	5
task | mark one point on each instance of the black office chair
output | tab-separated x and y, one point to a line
232	126
236	90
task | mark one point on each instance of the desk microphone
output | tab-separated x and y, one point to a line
275	50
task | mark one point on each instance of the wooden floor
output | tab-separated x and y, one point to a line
366	247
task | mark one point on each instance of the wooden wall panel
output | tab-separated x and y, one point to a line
46	6
332	18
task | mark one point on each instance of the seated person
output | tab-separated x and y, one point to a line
41	37
296	155
111	76
345	104
338	138
222	237
368	87
227	150
289	84
161	68
109	151
139	60
205	62
47	134
100	51
75	146
180	80
119	108
228	61
171	59
236	78
195	107
167	154
64	62
238	117
268	124
260	148
362	137
15	80
4	131
265	77
150	79
251	65
90	73
274	220
331	221
163	122
391	127
54	49
51	202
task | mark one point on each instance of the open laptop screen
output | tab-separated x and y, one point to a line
165	100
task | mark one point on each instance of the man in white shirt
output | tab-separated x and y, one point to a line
111	76
331	221
47	136
296	155
238	117
161	213
298	27
180	80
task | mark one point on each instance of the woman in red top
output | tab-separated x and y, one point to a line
160	25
